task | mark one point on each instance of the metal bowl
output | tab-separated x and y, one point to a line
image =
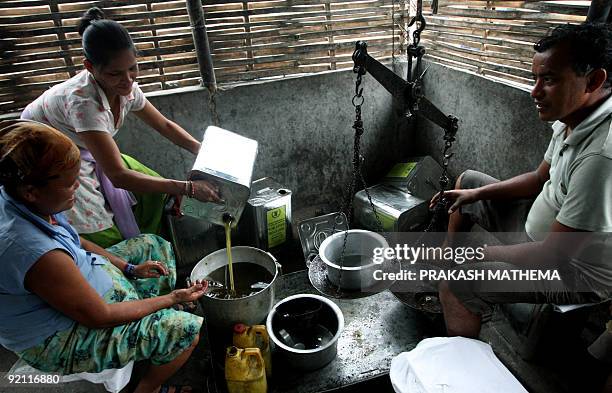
357	270
305	330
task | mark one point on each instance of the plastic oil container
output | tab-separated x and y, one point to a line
255	336
245	371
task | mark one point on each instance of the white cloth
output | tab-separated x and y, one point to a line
76	105
113	379
563	308
451	365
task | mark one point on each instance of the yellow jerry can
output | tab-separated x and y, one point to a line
245	371
255	336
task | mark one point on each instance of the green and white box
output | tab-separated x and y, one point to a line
398	211
266	220
418	176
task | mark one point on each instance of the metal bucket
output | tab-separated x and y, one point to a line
223	314
289	322
356	272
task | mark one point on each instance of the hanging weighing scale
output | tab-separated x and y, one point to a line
409	94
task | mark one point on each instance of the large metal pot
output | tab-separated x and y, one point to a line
357	270
289	322
223	314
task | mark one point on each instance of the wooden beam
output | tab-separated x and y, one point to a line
202	45
599	11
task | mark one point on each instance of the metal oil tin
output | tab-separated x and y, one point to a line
226	159
266	221
418	175
398	211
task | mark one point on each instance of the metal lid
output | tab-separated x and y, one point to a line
265	190
313	231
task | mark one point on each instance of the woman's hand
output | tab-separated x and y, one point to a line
193	293
457	197
195	147
205	191
150	269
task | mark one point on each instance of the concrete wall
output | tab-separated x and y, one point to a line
499	129
303	126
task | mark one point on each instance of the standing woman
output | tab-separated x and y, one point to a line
90	108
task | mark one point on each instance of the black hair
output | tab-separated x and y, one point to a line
102	38
589	44
10	174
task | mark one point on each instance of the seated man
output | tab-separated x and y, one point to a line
572	187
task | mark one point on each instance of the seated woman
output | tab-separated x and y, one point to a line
68	305
90	108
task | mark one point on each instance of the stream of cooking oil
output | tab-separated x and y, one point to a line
228	248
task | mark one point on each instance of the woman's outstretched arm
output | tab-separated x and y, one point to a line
59	282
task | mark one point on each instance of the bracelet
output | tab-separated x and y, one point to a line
129	270
186	188
191	189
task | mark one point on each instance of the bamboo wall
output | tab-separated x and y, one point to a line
40	46
494	38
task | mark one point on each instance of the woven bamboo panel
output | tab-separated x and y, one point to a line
494	38
256	39
40	46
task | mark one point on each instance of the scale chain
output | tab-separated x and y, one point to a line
442	202
357	173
